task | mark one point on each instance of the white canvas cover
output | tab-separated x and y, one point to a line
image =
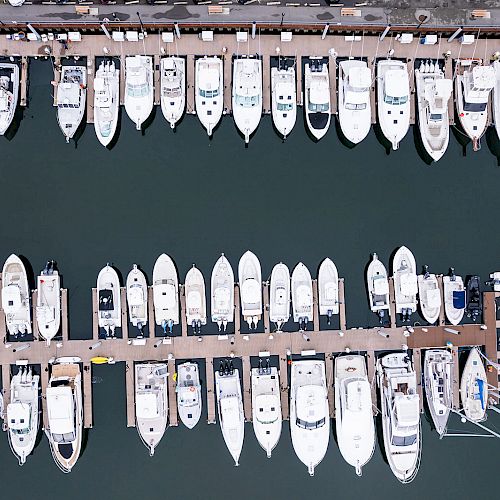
407	409
380	286
251	291
61	408
433	297
135	296
165	292
408	284
146	406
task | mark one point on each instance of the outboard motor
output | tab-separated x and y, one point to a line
260	367
221	369
329	317
426	272
170	326
231	368
199	326
164	325
305	324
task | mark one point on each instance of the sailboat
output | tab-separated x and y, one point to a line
222	292
196	302
317	97
109	298
9	94
283	97
173	88
496	97
328	289
188	389
139	91
454	297
165	293
137	298
429	295
48	305
404	271
378	288
474	387
279	295
302	296
250	280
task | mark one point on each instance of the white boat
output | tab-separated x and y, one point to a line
266	407
209	91
317	97
109	298
404	271
433	93
400	404
189	399
247	95
496	97
309	413
328	289
9	94
196	302
279	295
165	293
16	3
378	288
151	403
139	88
48	302
230	408
454	297
302	296
222	292
137	298
429	295
173	88
106	101
22	413
283	99
438	379
250	280
393	96
474	387
16	297
71	99
65	414
473	84
354	411
355	113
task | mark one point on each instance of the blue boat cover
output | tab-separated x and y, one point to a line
480	387
459	299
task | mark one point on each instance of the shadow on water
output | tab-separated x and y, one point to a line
16	123
493	143
381	138
114	141
342	138
419	146
461	138
148	122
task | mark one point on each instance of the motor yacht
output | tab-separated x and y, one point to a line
222	292
139	88
279	295
188	389
106	101
165	293
317	97
109	299
137	298
404	271
328	289
283	97
378	288
250	280
302	296
48	302
9	94
173	88
429	295
196	302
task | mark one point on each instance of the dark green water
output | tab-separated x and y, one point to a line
193	198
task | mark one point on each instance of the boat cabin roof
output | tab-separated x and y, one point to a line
11	297
230	414
68	93
310	403
407	408
209	79
146	405
359	77
483	77
61	408
18	415
396	83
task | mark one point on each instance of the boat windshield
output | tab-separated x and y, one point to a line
247	101
285	107
25	430
310	425
436	117
68	437
105	129
395	101
175	92
68	105
209	94
474	107
362	105
404	440
318	108
137	90
271	421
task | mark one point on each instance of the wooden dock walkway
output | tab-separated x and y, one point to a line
172	395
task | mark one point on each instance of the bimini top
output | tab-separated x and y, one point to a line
146	406
61	409
459	299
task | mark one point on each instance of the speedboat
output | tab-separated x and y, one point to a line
230	408
48	302
106	101
16	297
16	3
222	291
302	296
188	391
355	113
165	293
250	279
71	98
309	413
378	288
266	406
400	404
474	387
393	95
137	298
438	379
433	93
283	98
328	289
108	295
496	97
354	411
247	95
454	297
404	271
317	97
209	91
22	413
279	295
196	302
65	414
429	295
173	88
139	91
474	298
151	403
9	93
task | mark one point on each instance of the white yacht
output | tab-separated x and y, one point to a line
137	298
317	97
378	288
355	112
302	296
438	380
139	88
247	94
309	413
496	97
22	413
393	96
151	403
16	3
65	414
454	297
209	91
188	389
279	295
266	407
9	94
196	302
173	88
404	271
433	93
165	293
106	101
71	99
222	292
16	297
109	298
400	404
230	408
250	280
283	99
474	387
354	411
328	289
429	295
48	302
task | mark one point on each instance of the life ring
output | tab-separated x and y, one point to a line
192	389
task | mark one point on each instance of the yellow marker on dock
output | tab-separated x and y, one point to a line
100	360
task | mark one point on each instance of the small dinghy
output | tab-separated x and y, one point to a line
188	390
474	297
250	279
302	296
222	288
137	298
378	288
173	88
48	304
429	295
474	387
328	289
196	302
404	271
279	295
108	295
139	88
317	97
9	93
165	293
283	97
454	297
